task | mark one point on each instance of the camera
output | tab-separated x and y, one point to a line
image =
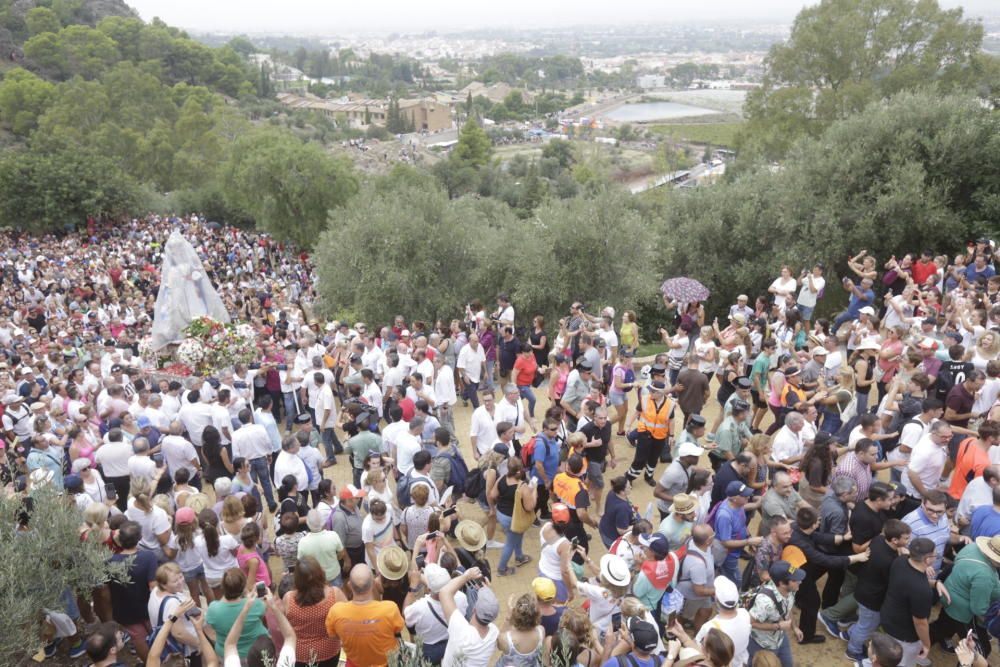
282	367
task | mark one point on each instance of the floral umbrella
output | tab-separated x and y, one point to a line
684	290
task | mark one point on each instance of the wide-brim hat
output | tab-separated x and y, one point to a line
990	546
470	535
392	563
683	504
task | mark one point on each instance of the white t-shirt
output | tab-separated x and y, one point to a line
251	441
470	362
602	605
142	466
702	348
807	297
483	429
784	286
465	646
927	461
426	626
325	402
407	445
786	445
154	523
224	559
391	433
113	457
178	453
911	434
738	630
380	535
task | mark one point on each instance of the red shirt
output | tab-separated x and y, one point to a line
970	462
524	370
921	271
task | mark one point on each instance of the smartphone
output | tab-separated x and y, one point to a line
194	612
616	622
110	492
261	590
433	535
449	512
575	542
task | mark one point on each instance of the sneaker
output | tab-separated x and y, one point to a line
523	560
77	650
830	626
924	662
506	573
51	648
856	659
493	544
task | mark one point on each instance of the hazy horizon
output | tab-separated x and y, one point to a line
316	17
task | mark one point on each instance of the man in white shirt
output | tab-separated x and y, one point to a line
813	283
313	385
731	619
471	643
913	431
392	430
289	463
252	442
483	427
178	452
291	381
153	412
787	446
373	358
370	390
407	444
977	493
505	311
444	393
113	457
326	420
511	409
141	464
926	465
220	415
424	366
471	365
425	615
195	416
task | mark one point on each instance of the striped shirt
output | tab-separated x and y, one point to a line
939	533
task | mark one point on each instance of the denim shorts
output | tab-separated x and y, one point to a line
192	575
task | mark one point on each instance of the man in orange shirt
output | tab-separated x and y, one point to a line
368	629
972	457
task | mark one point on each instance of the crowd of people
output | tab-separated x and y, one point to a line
860	455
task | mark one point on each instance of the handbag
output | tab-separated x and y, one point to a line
522	518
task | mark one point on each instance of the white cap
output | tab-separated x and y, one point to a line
690	449
726	593
436	577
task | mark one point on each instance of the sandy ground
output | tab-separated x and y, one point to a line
831	652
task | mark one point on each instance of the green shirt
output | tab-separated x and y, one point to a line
729	438
972	584
363	444
221	615
324	547
647	593
758	374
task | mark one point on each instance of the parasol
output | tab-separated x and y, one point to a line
684	290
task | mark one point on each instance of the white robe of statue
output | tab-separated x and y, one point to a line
185	293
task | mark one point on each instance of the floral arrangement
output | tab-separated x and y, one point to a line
208	347
211	346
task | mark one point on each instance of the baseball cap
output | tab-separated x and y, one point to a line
487	606
143	422
867	310
543	588
818	352
436	577
501	448
690	449
737	488
782	571
350	491
185	515
930	321
643	634
584	367
314	520
726	593
656	543
73	483
928	344
560	513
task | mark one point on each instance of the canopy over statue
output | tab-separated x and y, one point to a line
185	293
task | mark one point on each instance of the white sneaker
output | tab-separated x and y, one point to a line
493	544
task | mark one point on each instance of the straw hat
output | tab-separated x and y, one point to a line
470	535
688	656
392	563
197	502
990	546
683	503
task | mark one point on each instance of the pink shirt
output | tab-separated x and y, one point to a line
243	558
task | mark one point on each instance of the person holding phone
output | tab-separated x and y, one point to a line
222	614
164	600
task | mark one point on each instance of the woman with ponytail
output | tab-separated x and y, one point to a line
217	551
154	521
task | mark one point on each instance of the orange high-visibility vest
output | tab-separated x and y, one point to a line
799	395
656	421
566	487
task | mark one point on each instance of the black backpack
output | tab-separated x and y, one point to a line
475	483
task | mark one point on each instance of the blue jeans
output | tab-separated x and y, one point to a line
260	473
784	652
868	622
731	570
331	444
471	393
525	392
291	408
841	319
512	545
487	380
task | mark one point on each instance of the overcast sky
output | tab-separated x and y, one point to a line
318	17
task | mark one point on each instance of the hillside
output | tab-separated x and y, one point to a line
14	17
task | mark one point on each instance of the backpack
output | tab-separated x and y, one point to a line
403	485
475	483
748	599
459	475
528	450
172	645
897	426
